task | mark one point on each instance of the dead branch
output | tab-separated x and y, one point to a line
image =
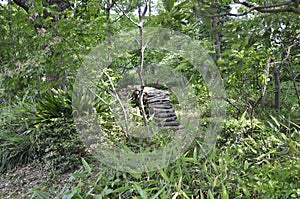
115	95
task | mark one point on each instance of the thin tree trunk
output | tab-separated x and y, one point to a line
109	5
296	90
217	38
115	95
264	89
276	72
75	9
150	8
294	77
141	67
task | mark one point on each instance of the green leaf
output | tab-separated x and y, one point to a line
182	65
252	40
122	189
86	165
211	196
135	175
157	194
243	117
169	4
184	194
224	193
275	120
142	193
40	194
164	175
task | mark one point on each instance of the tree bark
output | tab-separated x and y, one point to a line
141	67
296	90
217	38
276	72
61	4
264	89
109	5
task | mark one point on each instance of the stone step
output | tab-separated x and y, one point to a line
170	123
155	100
180	127
157	110
156	97
165	115
161	106
174	118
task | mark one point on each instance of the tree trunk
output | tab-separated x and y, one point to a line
109	5
217	38
276	72
141	67
293	77
264	89
296	90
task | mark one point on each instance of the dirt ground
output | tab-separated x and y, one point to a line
18	183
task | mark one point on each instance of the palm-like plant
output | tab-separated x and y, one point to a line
29	129
15	135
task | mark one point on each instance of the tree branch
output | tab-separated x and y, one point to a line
128	17
249	5
141	66
288	52
271	8
289	6
279	10
115	95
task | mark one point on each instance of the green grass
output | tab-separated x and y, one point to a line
253	157
259	163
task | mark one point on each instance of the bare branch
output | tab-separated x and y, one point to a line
117	19
249	5
112	4
265	83
128	17
288	52
100	98
145	9
115	95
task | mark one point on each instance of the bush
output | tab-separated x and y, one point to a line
16	132
43	129
262	162
59	145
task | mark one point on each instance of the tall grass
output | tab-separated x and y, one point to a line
263	162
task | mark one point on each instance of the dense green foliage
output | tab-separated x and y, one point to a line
261	164
42	130
257	154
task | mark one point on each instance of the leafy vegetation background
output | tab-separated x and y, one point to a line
255	46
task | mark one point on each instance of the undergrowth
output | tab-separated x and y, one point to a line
259	162
255	157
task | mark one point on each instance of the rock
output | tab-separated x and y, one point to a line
157	104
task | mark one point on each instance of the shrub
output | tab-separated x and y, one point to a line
59	145
15	135
42	129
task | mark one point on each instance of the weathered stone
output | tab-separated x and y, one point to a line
158	105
